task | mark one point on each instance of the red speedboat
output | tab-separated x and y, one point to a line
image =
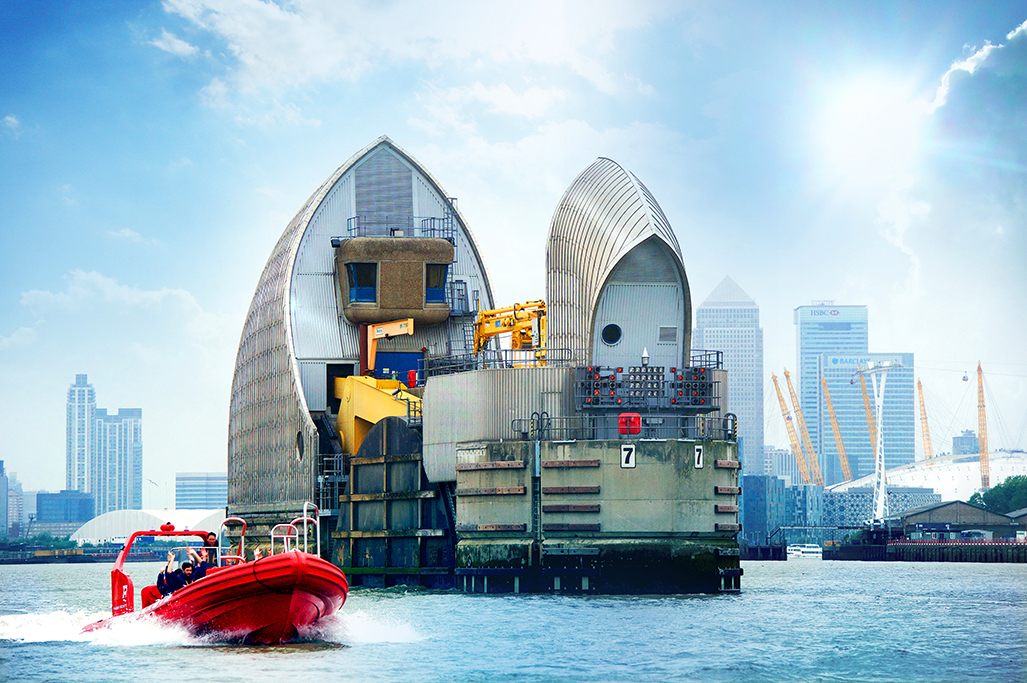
266	601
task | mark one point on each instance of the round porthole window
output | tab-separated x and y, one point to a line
611	334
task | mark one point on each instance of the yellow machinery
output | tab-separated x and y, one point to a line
807	444
924	431
525	322
871	422
366	400
842	458
982	428
800	460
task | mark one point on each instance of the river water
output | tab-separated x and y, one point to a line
801	620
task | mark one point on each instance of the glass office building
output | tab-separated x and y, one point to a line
847	400
824	328
729	321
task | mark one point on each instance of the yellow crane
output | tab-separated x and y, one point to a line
928	450
871	422
982	428
526	322
807	444
800	460
842	458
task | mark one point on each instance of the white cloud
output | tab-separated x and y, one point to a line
171	43
131	236
21	336
895	214
88	291
12	126
324	40
278	114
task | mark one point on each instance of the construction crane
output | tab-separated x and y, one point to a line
871	421
800	459
928	450
807	444
842	458
526	322
982	428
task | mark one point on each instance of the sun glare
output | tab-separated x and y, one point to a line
870	131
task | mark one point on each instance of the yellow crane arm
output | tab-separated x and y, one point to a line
807	444
846	473
982	428
394	328
871	422
800	460
526	322
928	450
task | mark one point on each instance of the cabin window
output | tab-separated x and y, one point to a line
611	334
363	282
435	283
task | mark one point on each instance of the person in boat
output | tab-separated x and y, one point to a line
199	566
257	553
169	580
210	543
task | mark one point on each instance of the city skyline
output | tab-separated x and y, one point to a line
154	153
104	452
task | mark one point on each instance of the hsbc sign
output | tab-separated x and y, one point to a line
823	312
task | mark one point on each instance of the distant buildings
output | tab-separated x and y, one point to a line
832	343
104	451
847	399
729	321
966	444
3	501
201	490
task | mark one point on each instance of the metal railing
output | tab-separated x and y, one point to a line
401	225
517	358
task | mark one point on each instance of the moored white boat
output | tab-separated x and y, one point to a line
809	550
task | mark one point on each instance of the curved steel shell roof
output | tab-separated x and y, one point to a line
603	215
272	441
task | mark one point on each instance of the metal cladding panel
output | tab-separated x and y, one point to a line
313	379
315	317
481	405
603	215
316	256
384	192
268	417
640	310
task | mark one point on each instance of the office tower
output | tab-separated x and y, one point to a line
729	321
104	451
81	421
201	490
824	328
847	400
118	460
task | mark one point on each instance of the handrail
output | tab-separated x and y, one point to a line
242	539
292	534
316	519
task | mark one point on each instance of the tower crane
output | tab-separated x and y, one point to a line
842	458
800	459
807	444
871	421
982	428
928	450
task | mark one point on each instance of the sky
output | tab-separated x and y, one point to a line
152	153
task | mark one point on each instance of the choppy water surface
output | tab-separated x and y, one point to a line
802	620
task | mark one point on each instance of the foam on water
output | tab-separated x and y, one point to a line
358	627
56	626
